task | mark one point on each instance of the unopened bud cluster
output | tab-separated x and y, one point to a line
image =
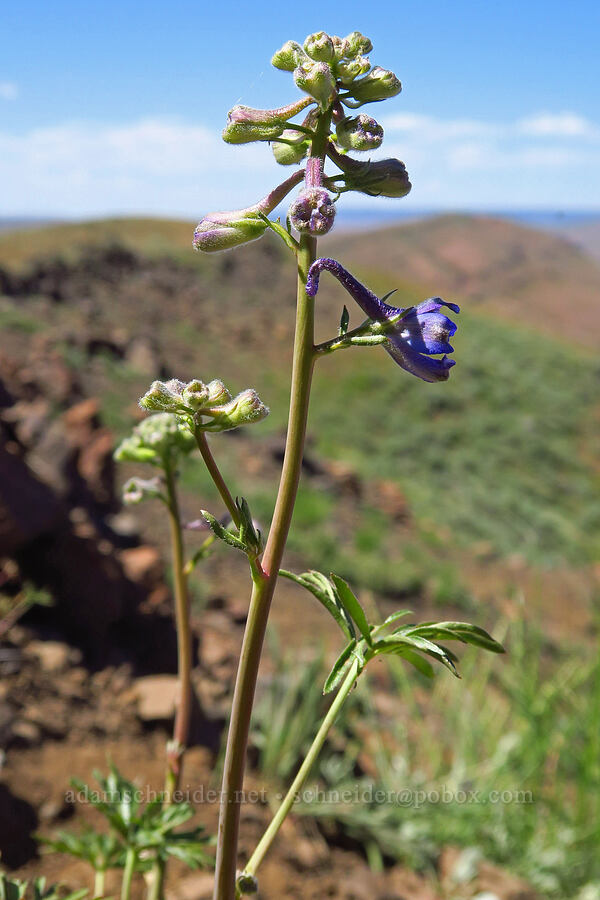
159	440
205	407
337	77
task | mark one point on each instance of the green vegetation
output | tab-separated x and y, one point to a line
505	763
498	454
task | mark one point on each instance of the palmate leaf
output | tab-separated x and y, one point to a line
461	631
321	588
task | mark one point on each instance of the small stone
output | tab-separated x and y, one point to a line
28	732
156	696
142	565
52	656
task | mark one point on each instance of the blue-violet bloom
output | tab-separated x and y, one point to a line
413	339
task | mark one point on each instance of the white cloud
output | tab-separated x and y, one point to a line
174	167
558	125
152	165
8	90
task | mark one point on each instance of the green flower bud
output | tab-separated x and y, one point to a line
359	133
339	47
288	155
316	78
288	57
244	409
348	70
217	393
163	396
138	489
158	440
212	236
319	47
384	178
195	394
379	84
224	230
245	124
356	44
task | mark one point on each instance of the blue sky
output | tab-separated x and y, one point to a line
117	107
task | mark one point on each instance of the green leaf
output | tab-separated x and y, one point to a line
395	616
344	321
337	672
321	588
418	661
250	537
223	533
472	634
353	607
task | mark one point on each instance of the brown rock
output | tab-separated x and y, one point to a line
26	731
27	508
97	467
156	696
52	656
142	565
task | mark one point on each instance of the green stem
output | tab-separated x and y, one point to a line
99	882
264	585
184	642
130	861
264	580
303	772
216	476
156	889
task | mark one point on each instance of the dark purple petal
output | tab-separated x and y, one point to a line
427	332
434	304
424	367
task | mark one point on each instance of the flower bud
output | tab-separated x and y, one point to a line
211	235
157	440
356	44
245	124
379	84
348	70
244	409
316	78
339	47
384	178
288	57
217	393
290	154
312	211
359	133
195	394
163	396
223	230
319	47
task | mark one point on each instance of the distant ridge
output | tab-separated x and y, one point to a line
521	273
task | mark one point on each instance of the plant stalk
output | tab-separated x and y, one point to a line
128	871
184	643
303	772
99	883
265	579
216	476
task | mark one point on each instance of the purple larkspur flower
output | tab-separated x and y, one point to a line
412	340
